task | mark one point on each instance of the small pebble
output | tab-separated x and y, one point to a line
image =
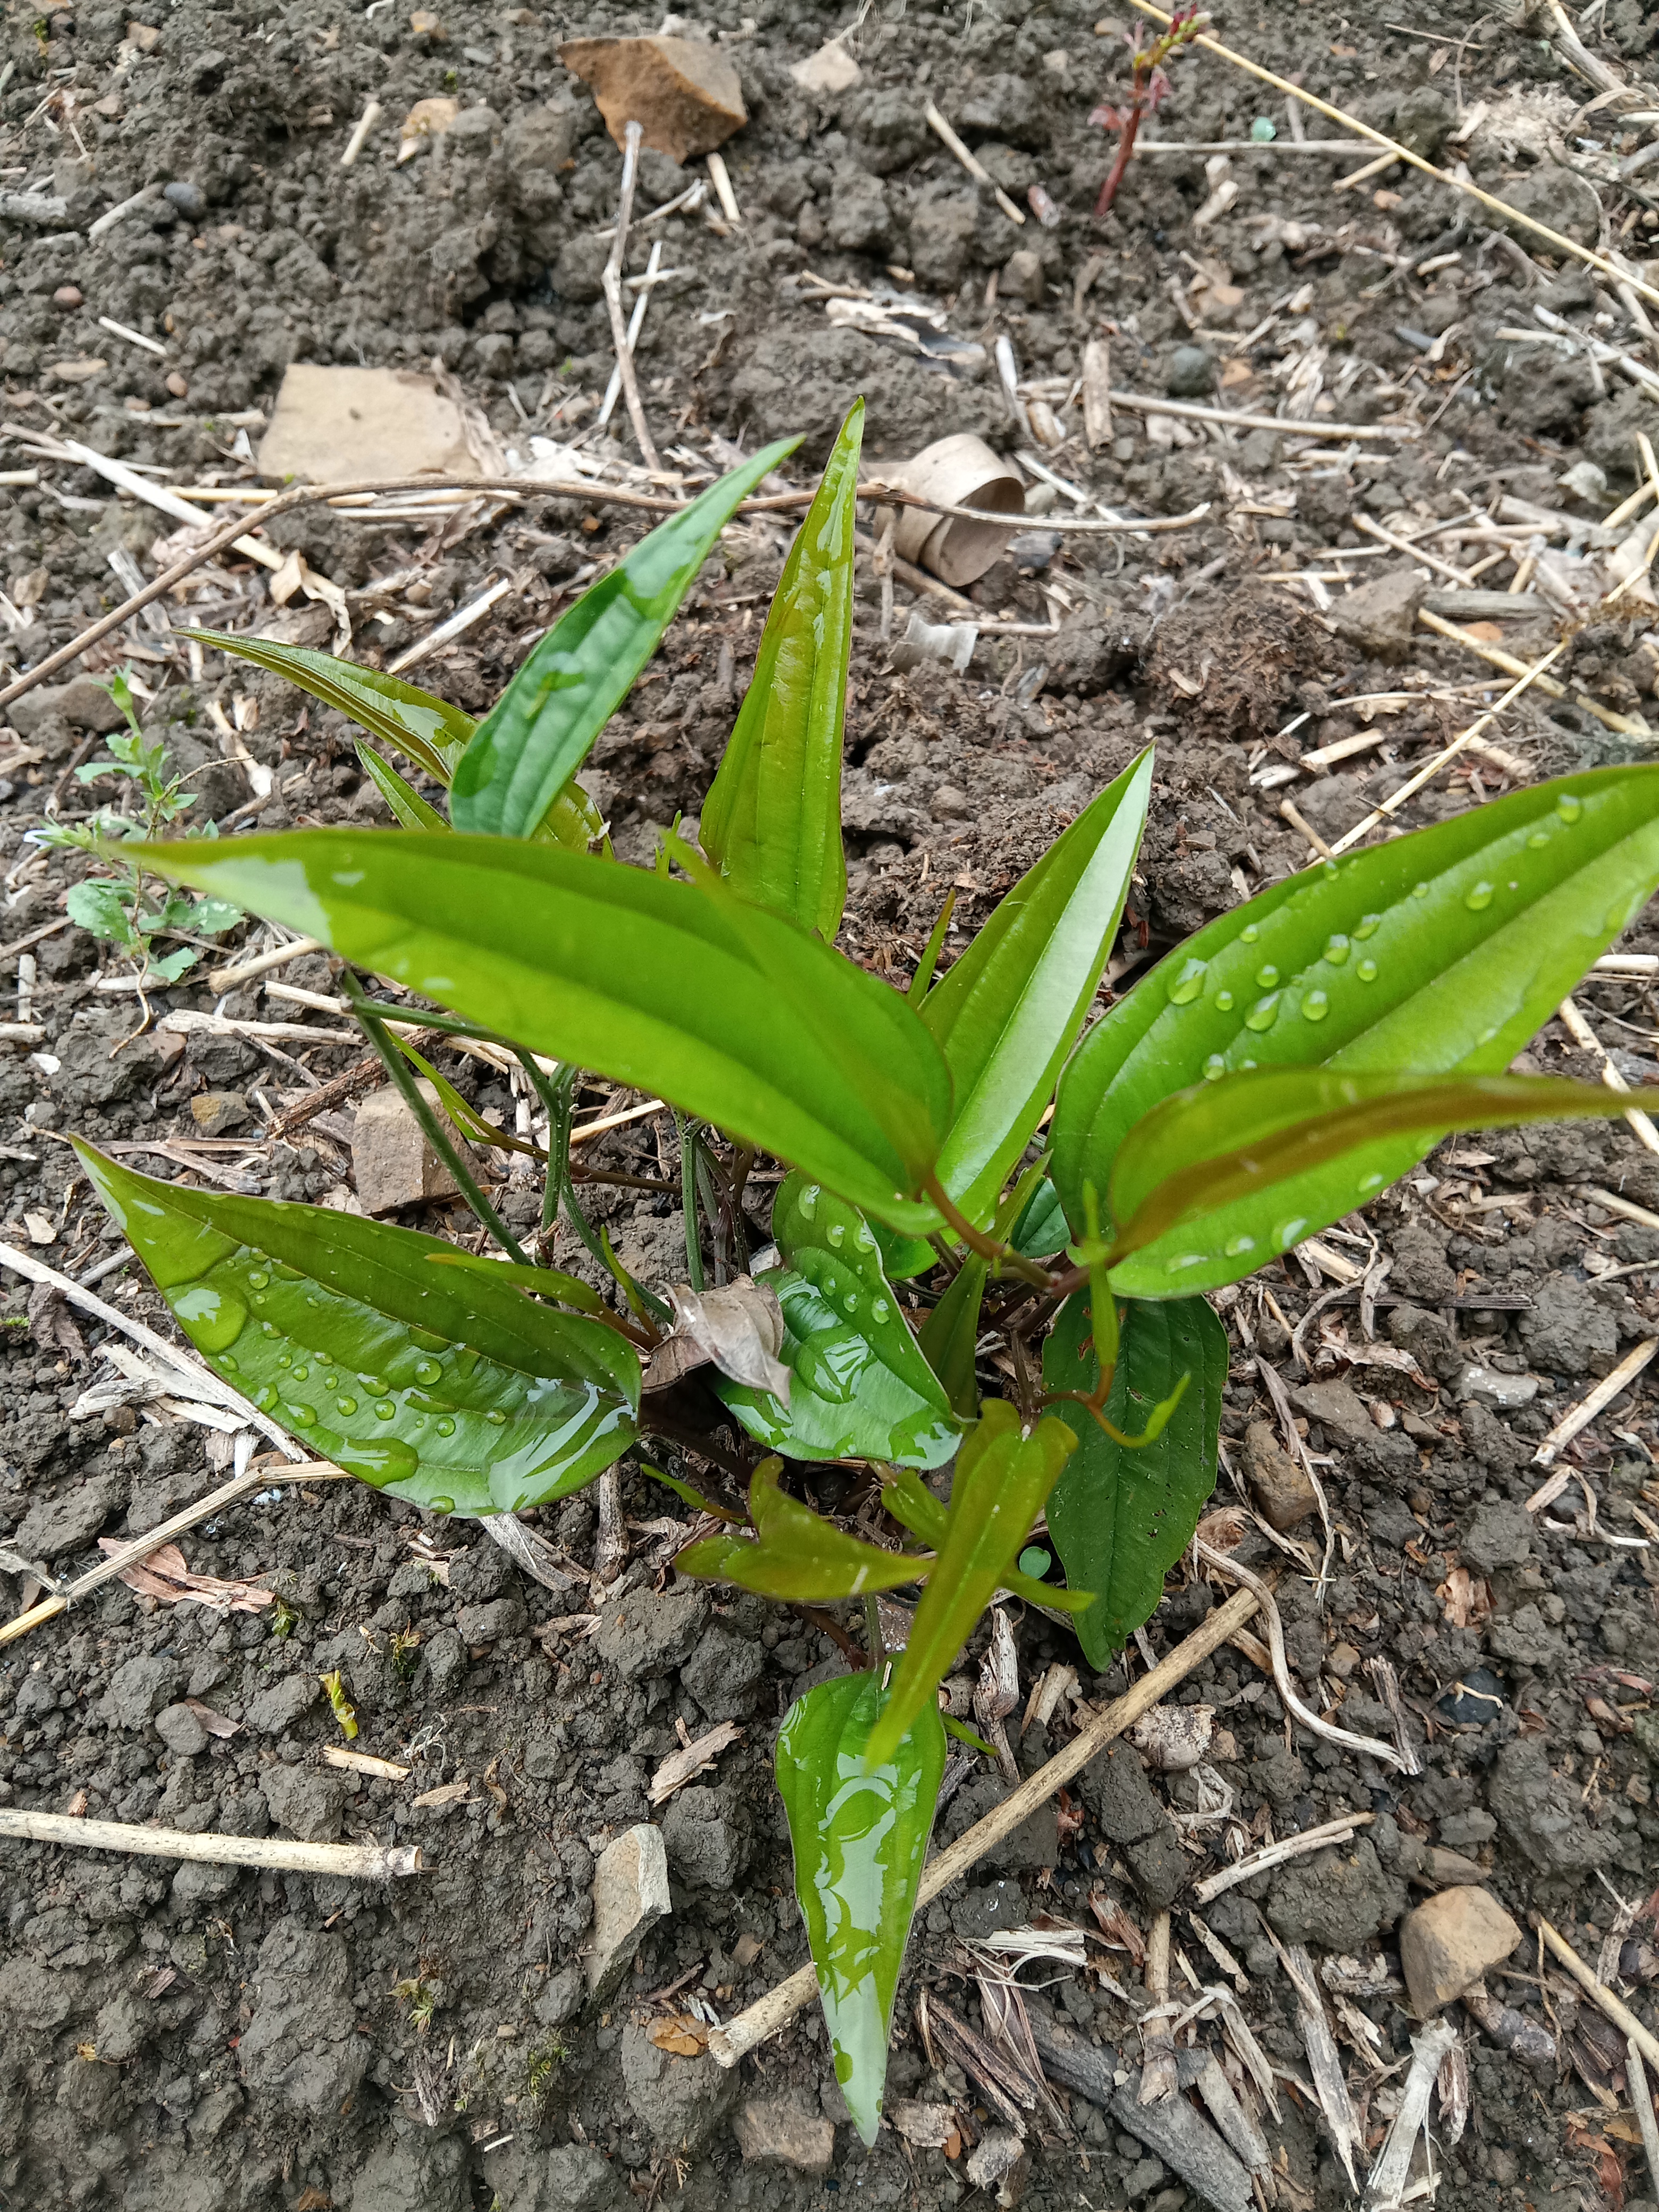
176	384
190	199
1192	372
68	296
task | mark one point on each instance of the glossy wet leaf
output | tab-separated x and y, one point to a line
949	1336
1120	1519
859	1827
1041	1230
539	1282
1003	1478
410	809
772	818
738	1016
542	728
442	1387
573	820
1442	951
1008	1011
402	716
860	1387
1200	1187
798	1554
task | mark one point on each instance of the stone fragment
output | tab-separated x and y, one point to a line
1540	1812
1334	1406
569	2178
340	425
502	1617
1129	1814
182	1732
53	1526
777	2131
1498	1535
830	70
308	1803
302	2048
1380	619
1487	1386
85	704
1022	278
1278	1483
215	1113
724	1674
1450	1941
706	1845
685	94
679	2101
391	1161
140	1687
1336	1900
422	2171
630	1895
274	1711
190	199
1192	372
645	1631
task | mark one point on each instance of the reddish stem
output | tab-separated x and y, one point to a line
1125	146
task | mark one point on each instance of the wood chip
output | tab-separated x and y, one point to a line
692	1758
363	1762
447	1793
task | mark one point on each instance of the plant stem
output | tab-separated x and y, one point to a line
1125	146
686	1131
1001	1257
872	1634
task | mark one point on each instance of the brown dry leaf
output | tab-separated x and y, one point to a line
164	1577
692	1758
739	1328
213	1724
1464	1599
1609	2173
685	2037
447	1793
77	1807
1489	633
1117	1927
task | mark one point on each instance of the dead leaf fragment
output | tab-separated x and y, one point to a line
929	2127
165	1576
1174	1739
1464	1599
739	1328
680	2034
427	119
447	1793
212	1724
692	1758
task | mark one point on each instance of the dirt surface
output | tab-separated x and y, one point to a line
202	2039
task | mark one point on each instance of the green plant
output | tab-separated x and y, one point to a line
1272	1072
116	906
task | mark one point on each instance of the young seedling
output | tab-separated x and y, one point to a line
122	906
1149	87
1280	1068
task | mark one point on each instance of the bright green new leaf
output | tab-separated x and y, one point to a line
738	1016
1443	952
451	1391
542	728
1200	1187
949	1336
1120	1519
1009	1010
915	1507
405	802
772	818
540	1282
799	1556
859	1825
98	907
1002	1479
400	714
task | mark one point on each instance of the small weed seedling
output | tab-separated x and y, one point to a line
947	1288
1149	87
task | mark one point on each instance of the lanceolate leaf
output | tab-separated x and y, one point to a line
401	715
915	1507
405	802
1443	952
736	1015
539	730
1120	1519
1200	1185
772	818
859	1825
799	1556
861	1387
444	1388
949	1335
1003	1478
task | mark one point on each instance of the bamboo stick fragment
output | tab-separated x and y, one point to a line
370	1862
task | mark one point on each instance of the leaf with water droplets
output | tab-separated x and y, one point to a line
1442	952
859	1827
440	1384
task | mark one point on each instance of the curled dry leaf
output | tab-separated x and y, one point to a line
680	2034
164	1577
737	1328
1174	1739
1464	1599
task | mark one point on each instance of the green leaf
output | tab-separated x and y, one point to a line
860	1387
1201	1185
1003	1478
1120	1519
694	1498
212	917
453	1392
1009	1010
465	1116
1442	952
173	965
949	1335
540	730
799	1556
405	802
915	1507
772	818
102	907
859	1827
738	1016
401	715
573	820
1041	1231
540	1282
901	1257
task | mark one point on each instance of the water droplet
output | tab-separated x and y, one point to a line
265	1397
1188	984
496	1419
865	1238
260	1299
1329	868
329	1382
1537	840
231	1366
1260	1016
1248	934
1568	807
312	1299
266	1327
374	1384
851	1302
1290	1232
880	1310
808	1201
257	1280
384	1409
1214	1069
1368	925
299	1417
835	1236
1266	975
1245	1066
1183	1260
1235	1246
285	1359
301	1373
443	1505
1369	1183
1314	1007
1419	891
427	1370
1223	1001
1366	971
346	1406
1336	950
213	1318
446	1427
1479	897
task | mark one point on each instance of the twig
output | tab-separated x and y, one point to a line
463	619
366	1861
778	2006
635	324
244	971
1641	2096
359	138
1341	2117
1584	1413
1273	1855
1158	2057
1600	1995
1415	552
976	168
1511	667
1472	191
612	283
1385	2190
720	177
1188	411
1586	1041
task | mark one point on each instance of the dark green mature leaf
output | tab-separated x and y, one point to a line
1200	1185
1442	952
737	1015
949	1335
542	728
859	1827
772	818
448	1390
400	714
1003	1478
1120	1519
1041	1231
1009	1010
405	802
799	1556
861	1387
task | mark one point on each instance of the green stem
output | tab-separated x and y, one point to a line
1001	1257
686	1131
